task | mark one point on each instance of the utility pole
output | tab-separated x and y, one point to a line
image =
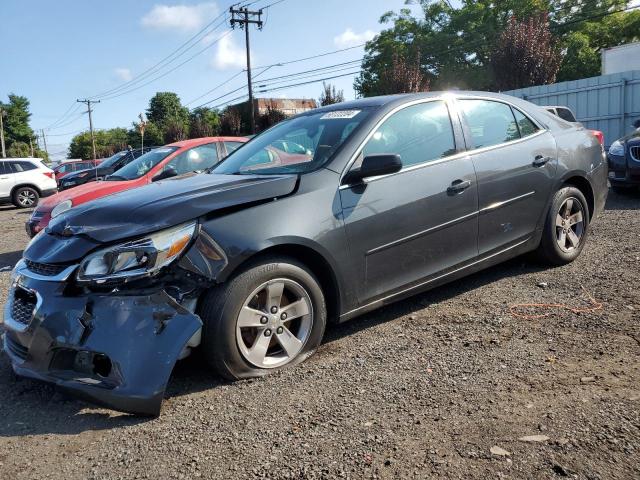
141	127
31	147
2	114
93	139
244	17
44	141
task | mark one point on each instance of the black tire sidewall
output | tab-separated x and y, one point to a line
221	306
550	249
22	189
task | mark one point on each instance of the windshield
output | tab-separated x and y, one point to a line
113	159
299	145
142	164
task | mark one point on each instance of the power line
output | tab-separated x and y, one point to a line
308	82
216	87
119	94
181	50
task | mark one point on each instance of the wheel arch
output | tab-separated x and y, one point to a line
21	185
583	184
311	257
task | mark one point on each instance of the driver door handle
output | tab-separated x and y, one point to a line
458	186
540	160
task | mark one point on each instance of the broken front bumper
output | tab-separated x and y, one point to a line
115	349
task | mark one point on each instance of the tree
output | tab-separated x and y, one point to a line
457	43
108	142
231	122
330	95
166	111
204	122
19	150
526	55
404	76
152	136
272	116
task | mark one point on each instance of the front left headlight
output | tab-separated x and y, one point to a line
617	148
137	258
61	208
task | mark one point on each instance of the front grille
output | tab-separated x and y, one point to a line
635	152
16	348
45	269
22	305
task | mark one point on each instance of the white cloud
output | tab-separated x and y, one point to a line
229	55
349	38
123	74
185	18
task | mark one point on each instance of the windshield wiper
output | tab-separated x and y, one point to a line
114	177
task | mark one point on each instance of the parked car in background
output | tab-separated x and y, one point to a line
65	168
624	161
25	180
169	161
400	194
106	167
566	114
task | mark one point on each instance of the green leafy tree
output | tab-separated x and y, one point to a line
172	119
204	122
231	122
152	136
457	43
19	150
108	142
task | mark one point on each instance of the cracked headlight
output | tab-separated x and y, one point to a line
137	258
61	208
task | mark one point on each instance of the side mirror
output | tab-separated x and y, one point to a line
166	173
374	165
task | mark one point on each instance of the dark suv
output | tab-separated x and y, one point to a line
106	167
624	161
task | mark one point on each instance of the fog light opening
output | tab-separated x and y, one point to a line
101	365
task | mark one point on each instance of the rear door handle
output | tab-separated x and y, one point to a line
458	186
540	160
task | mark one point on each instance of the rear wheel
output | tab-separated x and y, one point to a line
25	197
566	227
271	315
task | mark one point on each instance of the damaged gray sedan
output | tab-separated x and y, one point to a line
385	198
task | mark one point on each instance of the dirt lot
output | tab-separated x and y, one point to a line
424	388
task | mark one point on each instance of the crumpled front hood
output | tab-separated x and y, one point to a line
166	203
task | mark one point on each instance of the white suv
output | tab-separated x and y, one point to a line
24	180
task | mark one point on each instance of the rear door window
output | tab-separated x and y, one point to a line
491	123
18	167
526	126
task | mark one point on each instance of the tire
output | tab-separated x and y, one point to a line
25	197
235	352
550	250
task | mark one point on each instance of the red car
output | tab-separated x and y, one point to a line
164	162
66	168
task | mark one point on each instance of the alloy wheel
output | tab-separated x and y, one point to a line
274	323
26	198
570	224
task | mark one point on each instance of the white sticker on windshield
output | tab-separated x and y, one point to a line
340	114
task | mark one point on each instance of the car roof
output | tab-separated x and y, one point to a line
192	142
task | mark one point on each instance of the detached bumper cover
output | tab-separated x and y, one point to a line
115	350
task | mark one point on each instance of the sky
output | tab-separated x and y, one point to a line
56	52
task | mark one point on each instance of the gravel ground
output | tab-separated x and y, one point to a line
442	385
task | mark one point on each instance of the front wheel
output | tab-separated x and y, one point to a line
566	226
270	315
